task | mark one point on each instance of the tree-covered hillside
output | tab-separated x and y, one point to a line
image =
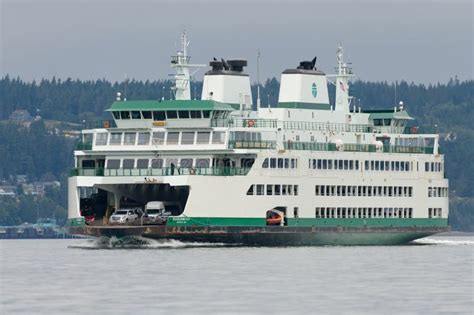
37	150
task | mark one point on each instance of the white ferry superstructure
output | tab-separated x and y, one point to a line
304	172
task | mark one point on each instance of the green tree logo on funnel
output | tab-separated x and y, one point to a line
314	90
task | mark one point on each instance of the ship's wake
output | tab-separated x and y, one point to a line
450	242
139	242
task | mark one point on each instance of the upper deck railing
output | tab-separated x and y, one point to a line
318	126
290	125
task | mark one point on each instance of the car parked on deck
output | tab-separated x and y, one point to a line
123	216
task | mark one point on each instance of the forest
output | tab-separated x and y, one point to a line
40	150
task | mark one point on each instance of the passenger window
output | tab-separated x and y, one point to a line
265	163
158	138
195	114
202	163
250	190
173	138
143	138
183	114
294	163
277	190
125	115
295	212
136	115
171	114
203	137
187	138
115	138
269	190
218	137
128	163
146	115
113	164
280	163
129	138
142	163
157	163
101	138
186	163
159	115
272	163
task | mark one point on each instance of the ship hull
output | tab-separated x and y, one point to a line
268	236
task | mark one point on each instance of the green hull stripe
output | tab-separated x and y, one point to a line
301	105
76	222
188	221
368	222
372	222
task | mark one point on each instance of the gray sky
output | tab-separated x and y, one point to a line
420	41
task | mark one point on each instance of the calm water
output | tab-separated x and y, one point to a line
83	277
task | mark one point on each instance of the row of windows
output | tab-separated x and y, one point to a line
156	163
342	212
161	115
434	212
160	137
270	190
329	164
325	164
359	191
438	192
402	166
433	167
280	163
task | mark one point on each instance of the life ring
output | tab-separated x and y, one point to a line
251	123
106	124
192	171
413	130
274	221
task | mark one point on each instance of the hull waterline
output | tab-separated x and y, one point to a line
268	236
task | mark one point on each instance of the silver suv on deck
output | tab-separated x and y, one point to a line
123	216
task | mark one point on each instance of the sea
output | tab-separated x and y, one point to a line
111	276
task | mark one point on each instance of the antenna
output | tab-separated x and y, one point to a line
126	84
258	79
396	83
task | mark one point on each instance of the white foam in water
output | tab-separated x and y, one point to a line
434	241
138	242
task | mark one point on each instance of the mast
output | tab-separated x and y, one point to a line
343	74
181	65
258	80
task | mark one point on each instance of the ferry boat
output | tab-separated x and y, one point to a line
302	172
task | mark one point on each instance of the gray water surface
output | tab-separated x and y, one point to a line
83	277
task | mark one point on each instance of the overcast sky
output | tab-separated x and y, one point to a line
420	41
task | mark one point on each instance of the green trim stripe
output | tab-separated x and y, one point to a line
301	105
76	222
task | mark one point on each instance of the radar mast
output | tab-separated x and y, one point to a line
180	63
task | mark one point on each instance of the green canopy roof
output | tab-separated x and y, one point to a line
389	115
169	105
